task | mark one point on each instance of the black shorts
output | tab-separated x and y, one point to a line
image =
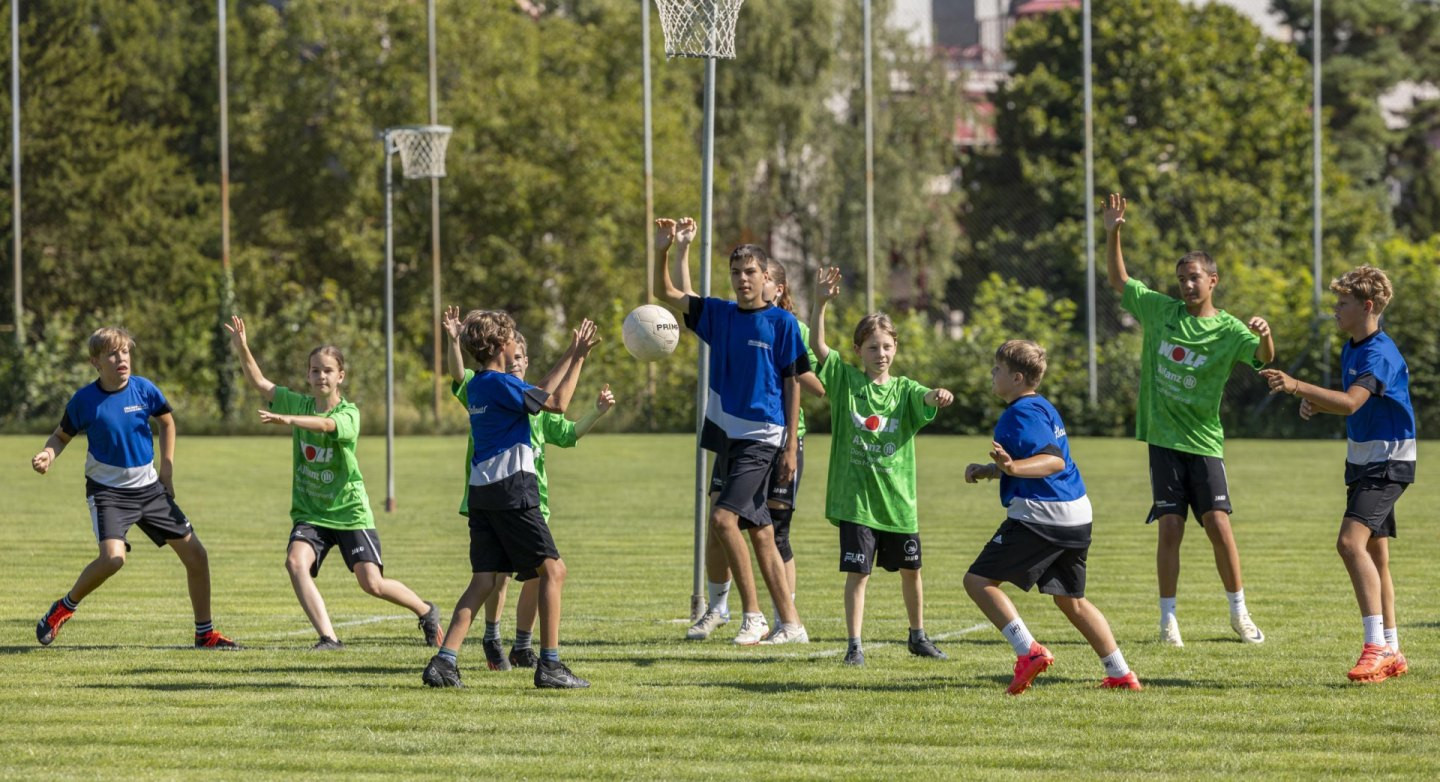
1019	555
1181	481
356	545
775	491
509	541
743	467
861	547
1372	501
114	511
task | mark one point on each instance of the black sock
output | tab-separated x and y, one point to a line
917	635
69	602
204	628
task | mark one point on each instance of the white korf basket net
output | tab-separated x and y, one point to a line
422	150
699	28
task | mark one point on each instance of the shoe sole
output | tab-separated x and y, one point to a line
500	666
1396	671
938	655
1034	671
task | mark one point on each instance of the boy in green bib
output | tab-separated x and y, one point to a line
1189	350
328	505
870	491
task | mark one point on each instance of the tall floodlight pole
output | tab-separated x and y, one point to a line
15	170
1316	197
869	167
1090	205
434	226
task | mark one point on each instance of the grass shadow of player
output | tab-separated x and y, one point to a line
203	686
286	670
928	685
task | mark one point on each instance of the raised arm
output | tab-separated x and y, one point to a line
560	383
311	423
454	358
1114	258
236	327
684	237
827	287
1322	400
603	403
1266	350
665	290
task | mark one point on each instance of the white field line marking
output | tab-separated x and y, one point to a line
370	620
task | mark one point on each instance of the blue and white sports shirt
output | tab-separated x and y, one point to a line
121	450
751	352
1381	434
502	469
1056	507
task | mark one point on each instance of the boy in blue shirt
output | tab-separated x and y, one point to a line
507	530
1046	533
122	485
1379	458
751	422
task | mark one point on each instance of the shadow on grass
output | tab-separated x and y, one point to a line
926	685
370	670
203	686
1093	682
4	650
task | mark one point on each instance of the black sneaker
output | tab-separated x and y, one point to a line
855	657
430	625
327	644
924	647
495	655
441	672
524	658
556	676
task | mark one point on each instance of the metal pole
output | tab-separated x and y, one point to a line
224	145
1090	208
649	191
389	332
702	382
15	169
1316	196
436	351
869	169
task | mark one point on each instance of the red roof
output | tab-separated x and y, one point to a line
1037	7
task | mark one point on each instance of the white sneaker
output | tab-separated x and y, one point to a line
1170	632
709	621
1246	629
752	628
788	634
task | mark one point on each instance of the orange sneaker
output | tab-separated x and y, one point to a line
1374	664
1399	667
1028	666
214	640
1127	682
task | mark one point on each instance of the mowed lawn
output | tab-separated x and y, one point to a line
119	695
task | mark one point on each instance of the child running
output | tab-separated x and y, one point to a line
870	495
123	486
1189	350
329	508
545	429
1379	458
1046	532
508	533
751	421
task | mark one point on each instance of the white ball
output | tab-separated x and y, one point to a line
650	332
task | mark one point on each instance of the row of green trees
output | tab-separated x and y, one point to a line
1198	118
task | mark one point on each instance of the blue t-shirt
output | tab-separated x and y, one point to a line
1055	507
121	450
502	468
1381	434
751	352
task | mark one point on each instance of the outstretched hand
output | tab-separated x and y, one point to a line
685	232
584	338
267	417
451	322
827	283
1115	213
236	327
606	399
1279	381
664	233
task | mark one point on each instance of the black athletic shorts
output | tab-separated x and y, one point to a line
509	541
114	511
356	545
784	494
1372	501
1018	555
1181	481
862	547
743	467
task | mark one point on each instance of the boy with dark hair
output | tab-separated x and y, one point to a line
1046	532
750	421
1379	458
1189	350
123	486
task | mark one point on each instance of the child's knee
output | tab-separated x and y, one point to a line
372	584
1070	606
554	571
111	562
296	564
975	584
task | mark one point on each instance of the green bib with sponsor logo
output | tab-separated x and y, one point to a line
872	447
327	490
1184	366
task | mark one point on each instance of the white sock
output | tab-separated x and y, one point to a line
1374	629
1114	663
1237	602
1019	636
776	608
1167	609
718	596
1392	638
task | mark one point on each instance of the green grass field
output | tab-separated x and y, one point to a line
120	695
